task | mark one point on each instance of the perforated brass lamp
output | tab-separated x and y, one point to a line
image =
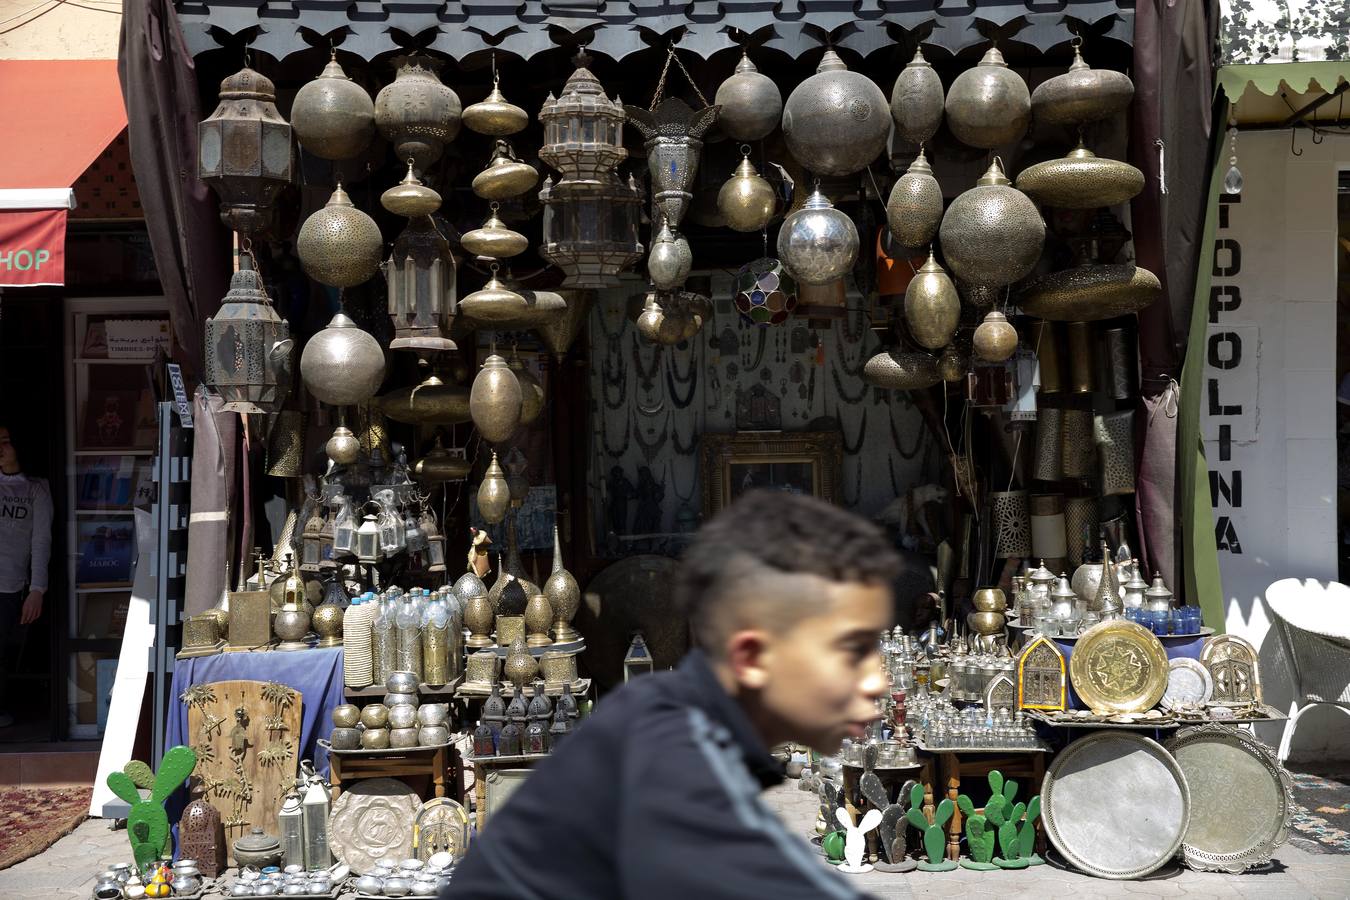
244	151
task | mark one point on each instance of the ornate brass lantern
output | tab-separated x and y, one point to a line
248	347
244	151
590	217
421	277
674	138
417	113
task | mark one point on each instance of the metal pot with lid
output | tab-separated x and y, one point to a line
257	849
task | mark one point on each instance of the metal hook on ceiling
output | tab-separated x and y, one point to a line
1293	138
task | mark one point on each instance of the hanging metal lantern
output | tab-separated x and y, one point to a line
992	234
1081	180
432	402
836	121
952	365
583	128
747	201
765	292
751	103
494	496
818	243
591	229
531	389
494	115
244	152
670	259
560	332
421	277
493	240
248	346
495	400
902	371
440	466
333	116
368	541
505	176
989	106
493	303
1090	293
1081	94
917	101
343	447
995	338
541	308
673	134
410	197
932	307
655	325
339	245
342	365
914	210
416	112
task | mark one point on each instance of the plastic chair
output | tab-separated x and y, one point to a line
1313	621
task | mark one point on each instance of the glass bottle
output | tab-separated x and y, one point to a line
356	663
384	641
409	625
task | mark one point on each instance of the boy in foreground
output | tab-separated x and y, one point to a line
656	795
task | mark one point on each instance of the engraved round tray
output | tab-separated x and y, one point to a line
1119	667
1115	804
372	821
1188	682
1241	798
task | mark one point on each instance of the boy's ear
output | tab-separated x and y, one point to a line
747	654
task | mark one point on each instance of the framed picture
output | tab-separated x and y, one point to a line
107	552
800	462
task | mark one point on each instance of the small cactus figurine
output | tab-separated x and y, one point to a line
979	837
1006	815
1026	835
934	837
147	823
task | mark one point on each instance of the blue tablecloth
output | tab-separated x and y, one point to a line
1175	646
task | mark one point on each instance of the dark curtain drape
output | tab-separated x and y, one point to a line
159	87
1169	141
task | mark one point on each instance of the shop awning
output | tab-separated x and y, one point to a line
59	115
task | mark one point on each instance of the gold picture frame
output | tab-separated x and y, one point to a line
797	461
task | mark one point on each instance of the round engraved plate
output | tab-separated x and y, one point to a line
1115	804
372	821
1118	667
1241	802
1188	683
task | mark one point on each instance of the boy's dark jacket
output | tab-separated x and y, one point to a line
654	796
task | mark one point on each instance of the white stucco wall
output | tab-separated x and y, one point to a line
32	29
1268	405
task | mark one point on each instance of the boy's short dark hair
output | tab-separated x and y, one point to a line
767	533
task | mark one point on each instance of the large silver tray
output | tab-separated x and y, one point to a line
1241	798
1115	804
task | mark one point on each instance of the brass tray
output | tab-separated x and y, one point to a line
1241	799
1119	667
1115	804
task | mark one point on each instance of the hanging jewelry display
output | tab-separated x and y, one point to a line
919	434
623	445
681	403
650	449
613	375
855	369
681	448
759	352
857	485
646	375
843	394
673	133
854	448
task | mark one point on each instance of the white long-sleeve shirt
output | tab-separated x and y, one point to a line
25	532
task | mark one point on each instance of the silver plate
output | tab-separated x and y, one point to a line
1243	798
1188	682
1115	804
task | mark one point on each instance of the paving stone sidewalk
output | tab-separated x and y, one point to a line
66	871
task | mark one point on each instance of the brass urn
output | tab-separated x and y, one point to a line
493	240
914	210
751	103
901	371
1081	95
531	390
1081	180
521	668
563	593
342	365
410	197
932	307
478	618
495	400
493	303
992	234
343	448
327	624
836	121
431	402
494	495
1090	293
505	176
339	245
988	105
995	338
332	116
416	112
917	101
669	260
746	200
494	115
538	619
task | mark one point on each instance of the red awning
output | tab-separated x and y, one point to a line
59	115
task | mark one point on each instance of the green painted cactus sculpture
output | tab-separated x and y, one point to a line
934	833
147	823
1016	837
979	837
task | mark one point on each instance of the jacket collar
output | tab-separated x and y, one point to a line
712	698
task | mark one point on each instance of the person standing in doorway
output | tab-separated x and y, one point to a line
25	551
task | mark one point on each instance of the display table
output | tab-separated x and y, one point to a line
411	762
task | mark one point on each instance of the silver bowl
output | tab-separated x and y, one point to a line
375	739
319	888
369	884
397	886
376	715
401	683
403	737
346	715
392	700
294	889
433	714
345	738
402	716
432	735
423	887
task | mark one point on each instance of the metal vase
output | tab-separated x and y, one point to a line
495	400
818	243
836	121
333	117
917	101
914	210
1081	180
339	245
751	103
989	106
992	234
342	365
674	138
1081	95
932	308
